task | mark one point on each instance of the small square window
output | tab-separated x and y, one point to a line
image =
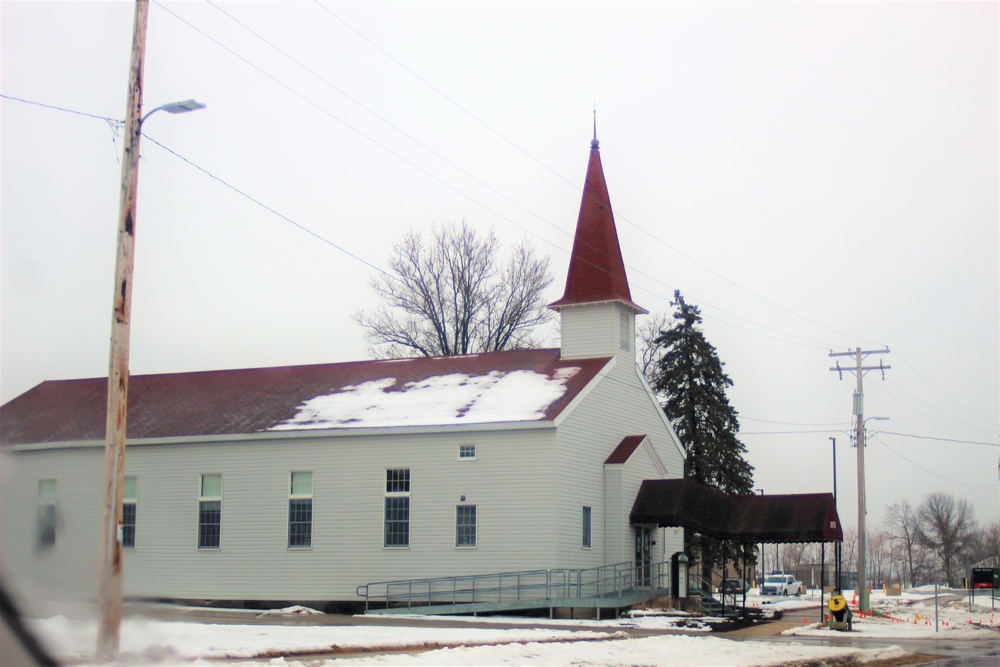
466	452
397	480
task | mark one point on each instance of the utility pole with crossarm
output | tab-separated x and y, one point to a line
859	370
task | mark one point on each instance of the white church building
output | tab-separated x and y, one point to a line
304	483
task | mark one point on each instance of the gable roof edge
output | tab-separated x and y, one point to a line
583	393
659	411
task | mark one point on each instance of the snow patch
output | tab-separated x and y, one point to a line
440	400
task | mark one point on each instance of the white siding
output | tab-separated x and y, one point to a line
594	330
510	482
67	570
617	407
625	479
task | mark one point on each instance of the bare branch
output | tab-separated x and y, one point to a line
448	295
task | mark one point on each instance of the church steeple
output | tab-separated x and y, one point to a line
596	269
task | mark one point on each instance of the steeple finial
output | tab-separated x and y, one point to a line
594	143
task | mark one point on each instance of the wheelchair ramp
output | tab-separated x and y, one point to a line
604	588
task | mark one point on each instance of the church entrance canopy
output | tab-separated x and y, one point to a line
810	517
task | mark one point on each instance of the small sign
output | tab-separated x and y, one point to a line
984	577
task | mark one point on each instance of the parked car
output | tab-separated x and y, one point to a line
730	586
781	584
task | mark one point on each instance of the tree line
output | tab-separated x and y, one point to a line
935	542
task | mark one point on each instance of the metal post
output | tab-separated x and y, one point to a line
822	578
935	607
110	592
836	545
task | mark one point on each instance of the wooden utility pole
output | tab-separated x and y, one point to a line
859	371
110	593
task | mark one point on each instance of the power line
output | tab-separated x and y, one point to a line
108	120
633	269
576	186
931	472
928	437
769	421
948	421
265	206
991	422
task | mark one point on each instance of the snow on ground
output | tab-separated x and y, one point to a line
912	615
575	642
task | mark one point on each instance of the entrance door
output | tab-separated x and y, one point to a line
643	555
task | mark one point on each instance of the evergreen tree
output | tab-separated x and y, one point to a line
691	378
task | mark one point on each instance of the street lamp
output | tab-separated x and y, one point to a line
175	107
110	593
863	601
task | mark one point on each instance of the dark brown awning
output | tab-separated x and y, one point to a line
808	517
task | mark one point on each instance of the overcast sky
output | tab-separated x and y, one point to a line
814	176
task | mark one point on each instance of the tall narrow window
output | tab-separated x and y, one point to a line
625	330
397	508
465	526
300	510
46	516
210	512
586	541
130	500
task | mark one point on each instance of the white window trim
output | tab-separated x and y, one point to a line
396	494
201	498
467	547
300	496
475	452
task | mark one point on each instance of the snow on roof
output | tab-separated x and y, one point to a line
510	386
455	398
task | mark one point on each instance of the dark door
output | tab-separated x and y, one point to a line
643	555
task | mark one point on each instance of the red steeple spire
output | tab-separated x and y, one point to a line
596	269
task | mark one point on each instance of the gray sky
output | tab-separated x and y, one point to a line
814	176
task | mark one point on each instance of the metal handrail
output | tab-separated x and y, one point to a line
605	581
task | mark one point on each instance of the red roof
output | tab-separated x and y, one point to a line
623	452
596	269
255	400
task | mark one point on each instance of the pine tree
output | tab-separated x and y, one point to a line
690	376
692	379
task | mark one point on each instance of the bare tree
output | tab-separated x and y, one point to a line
904	526
991	540
648	352
878	554
450	293
947	527
849	548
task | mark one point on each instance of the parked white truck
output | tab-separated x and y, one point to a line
781	584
